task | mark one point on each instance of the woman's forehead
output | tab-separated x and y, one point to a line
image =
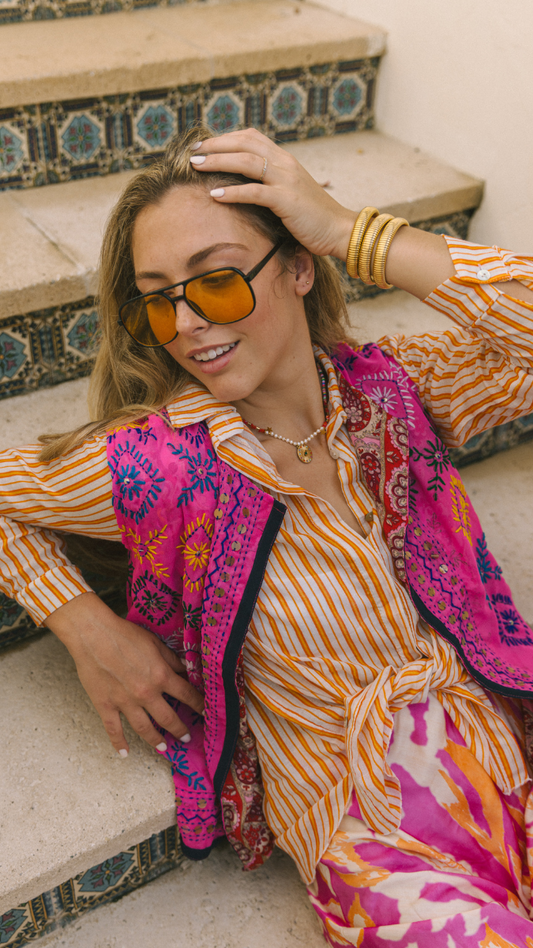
186	221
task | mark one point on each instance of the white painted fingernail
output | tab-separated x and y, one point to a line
195	147
123	752
218	193
197	159
161	747
186	738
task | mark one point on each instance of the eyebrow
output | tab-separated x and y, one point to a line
193	261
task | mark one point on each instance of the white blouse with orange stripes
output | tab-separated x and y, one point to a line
335	646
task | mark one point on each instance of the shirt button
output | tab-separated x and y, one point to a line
483	274
334	454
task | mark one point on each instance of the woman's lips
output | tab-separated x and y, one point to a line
214	365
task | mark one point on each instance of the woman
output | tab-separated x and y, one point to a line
303	557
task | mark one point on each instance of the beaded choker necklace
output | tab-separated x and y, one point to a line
303	451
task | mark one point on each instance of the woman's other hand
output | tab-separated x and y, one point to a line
124	669
311	215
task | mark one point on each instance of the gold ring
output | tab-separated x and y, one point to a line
263	173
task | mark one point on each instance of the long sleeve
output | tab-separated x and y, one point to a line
479	373
71	494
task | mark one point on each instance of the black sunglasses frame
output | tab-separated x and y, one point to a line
248	277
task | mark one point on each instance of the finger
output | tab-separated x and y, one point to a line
166	718
144	727
113	725
181	689
248	194
251	166
170	657
248	139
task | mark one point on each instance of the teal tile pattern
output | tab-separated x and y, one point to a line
97	886
18	11
62	141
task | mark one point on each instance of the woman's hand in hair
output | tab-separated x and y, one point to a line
124	669
311	215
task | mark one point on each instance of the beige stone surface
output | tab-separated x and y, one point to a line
359	167
212	904
46	411
30	261
67	800
166	46
368	168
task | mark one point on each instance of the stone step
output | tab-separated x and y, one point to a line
125	82
51	239
73	813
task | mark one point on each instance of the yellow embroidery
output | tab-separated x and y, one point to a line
195	549
146	549
460	507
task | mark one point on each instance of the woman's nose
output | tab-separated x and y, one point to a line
186	319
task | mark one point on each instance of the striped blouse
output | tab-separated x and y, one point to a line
335	646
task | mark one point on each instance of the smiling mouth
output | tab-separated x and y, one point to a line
211	354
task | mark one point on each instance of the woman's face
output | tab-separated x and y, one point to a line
188	233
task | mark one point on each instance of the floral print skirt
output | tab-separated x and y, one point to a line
456	873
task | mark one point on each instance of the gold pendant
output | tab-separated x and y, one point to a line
305	455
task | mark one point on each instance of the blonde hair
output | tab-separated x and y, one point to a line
129	382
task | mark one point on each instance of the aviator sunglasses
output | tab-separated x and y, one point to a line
218	296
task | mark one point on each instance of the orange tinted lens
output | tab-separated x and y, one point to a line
150	320
222	297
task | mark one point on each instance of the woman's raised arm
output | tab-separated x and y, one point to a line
417	261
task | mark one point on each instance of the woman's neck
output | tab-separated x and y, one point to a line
290	403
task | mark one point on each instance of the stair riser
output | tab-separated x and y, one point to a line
97	886
27	10
61	141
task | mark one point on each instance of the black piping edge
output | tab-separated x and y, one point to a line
439	626
196	855
236	640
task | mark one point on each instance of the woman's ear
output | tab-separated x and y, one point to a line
304	271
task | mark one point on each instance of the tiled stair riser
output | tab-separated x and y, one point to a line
97	886
17	11
61	141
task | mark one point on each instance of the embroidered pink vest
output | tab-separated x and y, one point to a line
199	535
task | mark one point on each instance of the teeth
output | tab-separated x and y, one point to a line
213	353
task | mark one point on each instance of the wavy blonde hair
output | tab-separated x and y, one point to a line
129	382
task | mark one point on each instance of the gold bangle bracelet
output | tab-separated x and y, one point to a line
363	219
382	250
367	246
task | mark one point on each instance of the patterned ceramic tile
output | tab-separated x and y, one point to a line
16	11
60	141
97	886
48	346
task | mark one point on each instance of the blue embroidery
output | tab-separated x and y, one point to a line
130	482
202	472
136	479
154	599
436	457
510	622
181	765
485	568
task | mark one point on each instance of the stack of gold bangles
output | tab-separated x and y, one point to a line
369	245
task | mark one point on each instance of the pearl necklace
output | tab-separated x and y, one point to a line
303	452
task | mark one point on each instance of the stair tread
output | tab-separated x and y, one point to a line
175	45
67	800
360	167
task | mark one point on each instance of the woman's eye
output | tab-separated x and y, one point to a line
218	280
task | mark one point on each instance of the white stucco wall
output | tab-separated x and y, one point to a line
457	81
